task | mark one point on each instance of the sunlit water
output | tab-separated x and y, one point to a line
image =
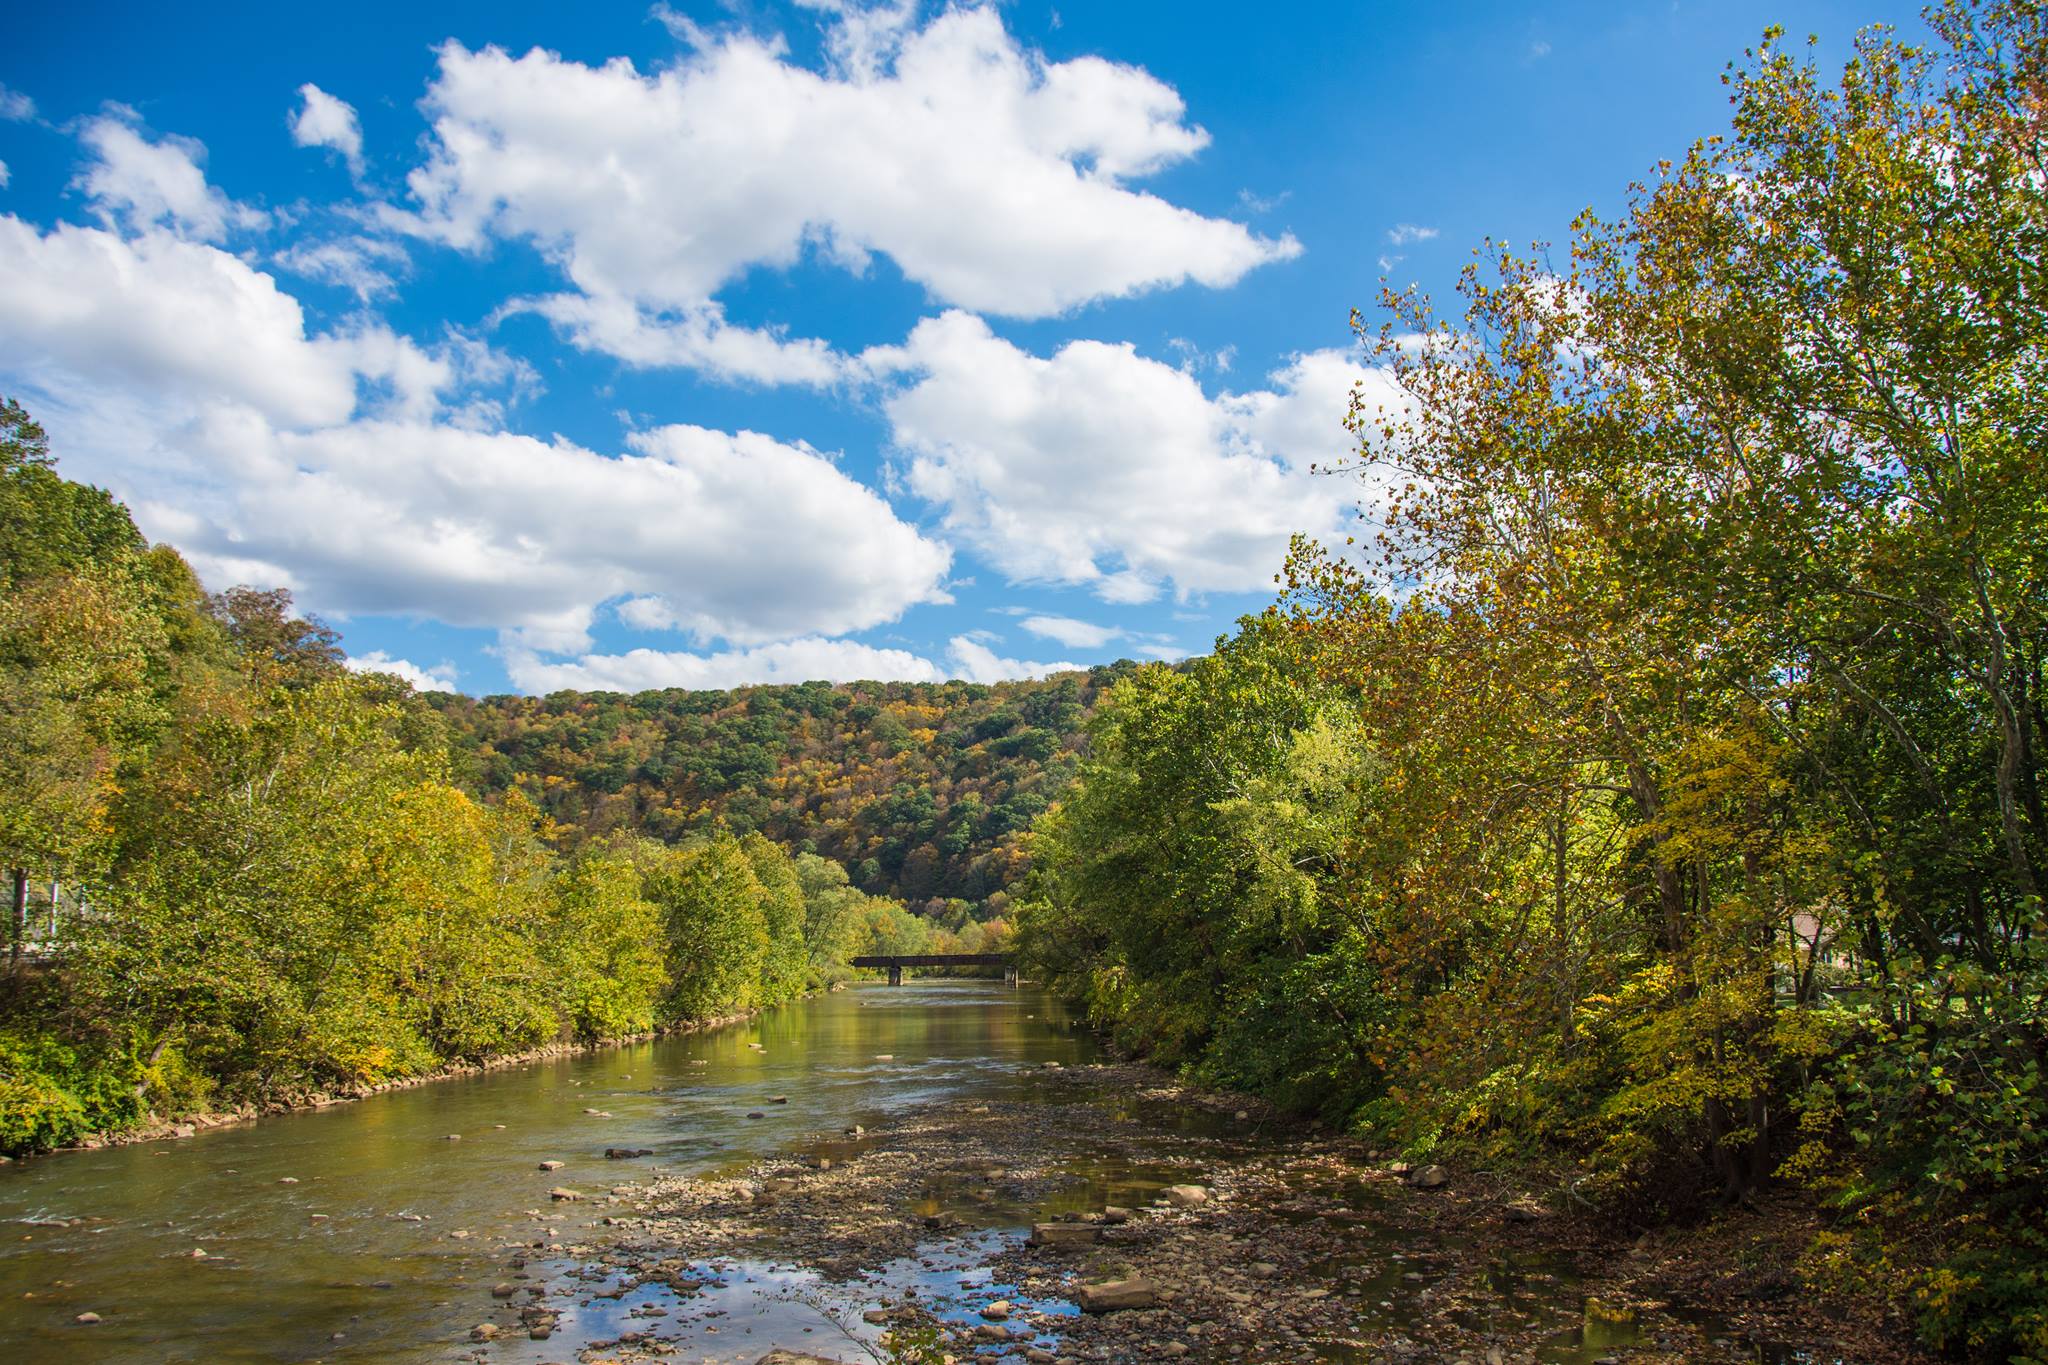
391	1229
374	1231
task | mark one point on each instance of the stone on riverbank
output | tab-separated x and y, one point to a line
1065	1236
563	1194
1110	1296
553	1165
1429	1178
1185	1196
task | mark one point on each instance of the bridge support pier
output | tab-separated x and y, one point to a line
1010	977
895	974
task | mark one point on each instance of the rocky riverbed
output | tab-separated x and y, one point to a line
1110	1215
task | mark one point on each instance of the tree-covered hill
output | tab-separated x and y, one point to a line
921	790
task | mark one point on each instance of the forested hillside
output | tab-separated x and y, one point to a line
922	791
1658	803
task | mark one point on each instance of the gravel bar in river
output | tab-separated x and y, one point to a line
1106	1214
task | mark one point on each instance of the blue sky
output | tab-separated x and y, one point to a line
726	343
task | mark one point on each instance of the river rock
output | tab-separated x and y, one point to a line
794	1358
997	1311
563	1194
1110	1296
504	1291
1429	1178
86	1319
1063	1236
627	1153
1185	1196
1113	1215
553	1165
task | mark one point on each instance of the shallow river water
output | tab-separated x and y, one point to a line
367	1220
374	1231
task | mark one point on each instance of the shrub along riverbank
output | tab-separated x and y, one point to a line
1660	800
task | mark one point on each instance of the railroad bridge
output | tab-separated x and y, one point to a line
897	964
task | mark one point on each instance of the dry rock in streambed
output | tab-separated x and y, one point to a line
553	1165
1065	1236
1110	1296
794	1358
1429	1178
1185	1196
563	1194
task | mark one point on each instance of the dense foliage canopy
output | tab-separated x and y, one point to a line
1658	793
922	791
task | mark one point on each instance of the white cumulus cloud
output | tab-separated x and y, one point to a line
156	184
976	662
1097	466
438	678
322	120
1070	632
365	471
809	659
164	315
994	178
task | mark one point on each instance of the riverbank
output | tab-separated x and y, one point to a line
158	1129
1230	1235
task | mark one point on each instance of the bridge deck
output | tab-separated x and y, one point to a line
936	960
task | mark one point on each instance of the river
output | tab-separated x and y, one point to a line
377	1220
378	1230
